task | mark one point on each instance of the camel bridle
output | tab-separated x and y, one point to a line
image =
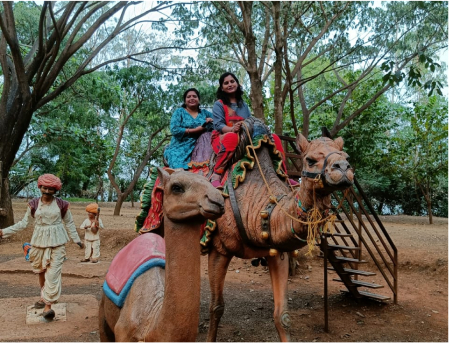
321	175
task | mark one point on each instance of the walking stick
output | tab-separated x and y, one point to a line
96	219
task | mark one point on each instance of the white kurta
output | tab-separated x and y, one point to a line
91	240
48	244
87	225
49	230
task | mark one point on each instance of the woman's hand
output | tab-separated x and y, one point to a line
81	245
195	131
236	127
209	120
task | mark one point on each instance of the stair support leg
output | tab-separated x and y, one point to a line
326	305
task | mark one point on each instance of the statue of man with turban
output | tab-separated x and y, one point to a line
92	224
53	223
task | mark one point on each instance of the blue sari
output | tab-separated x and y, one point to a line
178	153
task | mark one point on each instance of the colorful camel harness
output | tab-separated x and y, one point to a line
302	213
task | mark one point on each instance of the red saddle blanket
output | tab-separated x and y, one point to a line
137	252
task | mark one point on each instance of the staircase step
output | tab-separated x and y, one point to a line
338	234
354	271
346	259
345	247
362	283
369	295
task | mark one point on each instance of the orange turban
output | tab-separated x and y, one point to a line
92	208
49	180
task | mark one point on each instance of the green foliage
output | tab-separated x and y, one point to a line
421	152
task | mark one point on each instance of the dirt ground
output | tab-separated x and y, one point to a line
421	313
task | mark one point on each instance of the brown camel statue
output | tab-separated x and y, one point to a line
163	304
322	157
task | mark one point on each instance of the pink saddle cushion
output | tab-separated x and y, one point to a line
138	251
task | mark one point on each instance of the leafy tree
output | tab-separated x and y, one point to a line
39	66
421	151
142	120
387	41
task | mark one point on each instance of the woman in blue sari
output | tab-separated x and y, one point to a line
187	124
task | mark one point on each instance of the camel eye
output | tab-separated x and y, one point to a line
310	161
177	188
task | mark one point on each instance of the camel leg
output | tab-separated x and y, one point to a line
217	268
106	334
279	279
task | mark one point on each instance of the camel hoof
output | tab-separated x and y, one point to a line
286	321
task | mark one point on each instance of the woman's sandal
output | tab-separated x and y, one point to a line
49	315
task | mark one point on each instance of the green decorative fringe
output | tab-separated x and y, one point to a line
238	176
145	200
248	161
208	231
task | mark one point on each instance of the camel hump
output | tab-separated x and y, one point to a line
133	260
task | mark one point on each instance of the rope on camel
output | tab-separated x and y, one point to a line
314	216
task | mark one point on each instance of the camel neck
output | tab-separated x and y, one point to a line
307	200
179	315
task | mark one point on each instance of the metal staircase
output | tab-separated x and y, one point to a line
359	239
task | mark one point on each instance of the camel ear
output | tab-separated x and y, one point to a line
339	142
301	143
164	174
171	171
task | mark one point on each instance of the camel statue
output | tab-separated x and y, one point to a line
163	304
325	169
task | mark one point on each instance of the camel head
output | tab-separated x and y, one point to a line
189	197
324	158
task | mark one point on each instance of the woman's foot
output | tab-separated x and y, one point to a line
215	181
85	260
216	184
94	260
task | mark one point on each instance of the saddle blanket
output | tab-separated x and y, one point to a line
142	253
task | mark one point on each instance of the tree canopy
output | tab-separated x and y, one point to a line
88	87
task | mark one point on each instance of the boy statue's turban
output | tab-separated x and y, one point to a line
92	208
49	180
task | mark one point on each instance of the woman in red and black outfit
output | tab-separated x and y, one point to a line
228	112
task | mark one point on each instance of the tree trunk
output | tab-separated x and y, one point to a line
111	189
132	198
380	207
252	65
429	210
305	110
279	44
118	205
6	213
256	95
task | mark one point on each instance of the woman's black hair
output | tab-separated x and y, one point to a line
221	95
185	95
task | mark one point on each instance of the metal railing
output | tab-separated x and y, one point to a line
368	233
